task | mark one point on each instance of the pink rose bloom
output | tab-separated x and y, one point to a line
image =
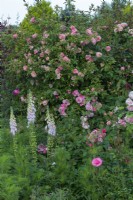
108	123
47	51
57	71
41	54
122	68
98	54
35	51
94	41
97	162
75	93
75	71
122	122
66	59
62	109
16	92
108	48
47	58
80	99
62	37
28	40
55	93
130	108
68	91
34	35
32	20
73	30
89	106
89	31
124	24
89	58
62	54
42	149
66	102
15	36
60	68
25	67
33	74
129	120
45	35
129	102
98	39
119	28
104	130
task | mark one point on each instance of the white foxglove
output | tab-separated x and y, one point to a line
13	124
31	110
131	95
51	128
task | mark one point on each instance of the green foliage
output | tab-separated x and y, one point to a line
56	57
41	11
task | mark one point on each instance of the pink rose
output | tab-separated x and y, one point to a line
122	122
62	37
98	54
35	51
73	30
89	106
94	41
124	24
122	68
75	93
16	92
89	58
32	20
108	48
108	123
25	67
66	59
97	162
34	35
33	74
75	71
28	40
98	39
42	149
66	102
130	108
80	99
129	120
15	36
89	31
41	54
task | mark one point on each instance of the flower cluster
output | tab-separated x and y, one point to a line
63	107
84	122
13	124
129	101
120	27
42	149
31	110
129	117
96	136
50	128
80	99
